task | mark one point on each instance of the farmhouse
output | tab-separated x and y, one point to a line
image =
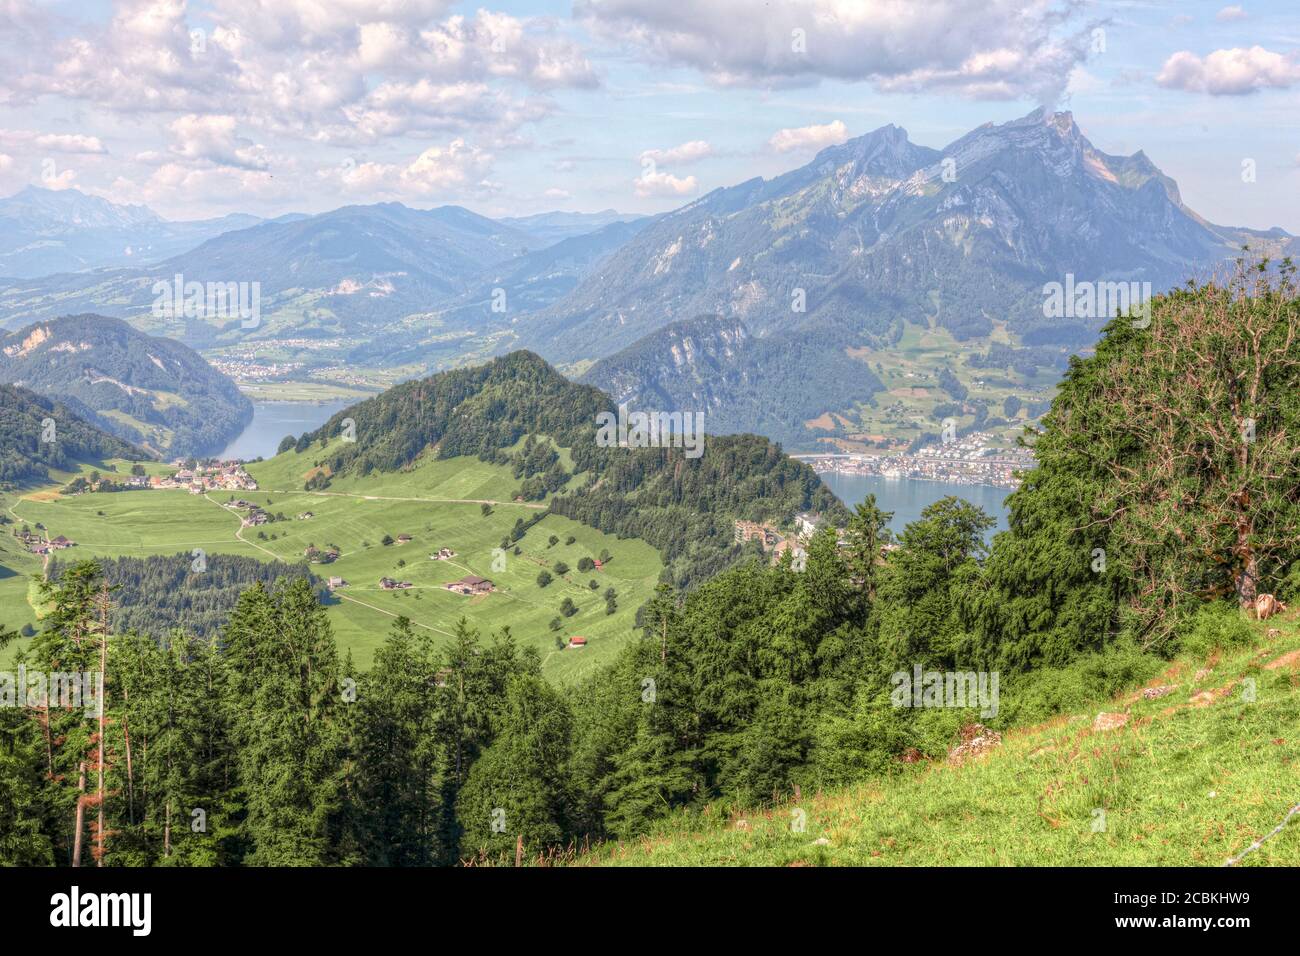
766	535
316	556
577	642
388	584
60	543
444	554
471	585
403	538
337	583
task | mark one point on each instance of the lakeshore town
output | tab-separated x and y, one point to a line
969	460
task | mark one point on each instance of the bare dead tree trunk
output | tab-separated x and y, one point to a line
81	816
49	742
130	774
103	716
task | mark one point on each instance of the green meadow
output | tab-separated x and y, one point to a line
1204	765
439	503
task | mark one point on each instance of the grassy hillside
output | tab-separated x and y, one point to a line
439	503
1194	777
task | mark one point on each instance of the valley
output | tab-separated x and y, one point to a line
598	433
439	504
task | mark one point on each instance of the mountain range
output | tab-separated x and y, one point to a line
879	231
44	231
824	268
151	391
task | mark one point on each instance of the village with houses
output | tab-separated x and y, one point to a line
208	476
776	542
972	459
195	477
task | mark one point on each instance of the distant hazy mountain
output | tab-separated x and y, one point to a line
770	386
37	434
153	392
346	272
536	280
553	226
44	231
879	231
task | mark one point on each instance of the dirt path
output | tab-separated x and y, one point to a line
427	627
446	501
239	532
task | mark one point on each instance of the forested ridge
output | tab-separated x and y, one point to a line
29	446
99	365
684	506
1164	504
744	383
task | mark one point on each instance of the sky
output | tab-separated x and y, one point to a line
200	109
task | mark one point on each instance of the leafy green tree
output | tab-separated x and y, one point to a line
521	786
285	724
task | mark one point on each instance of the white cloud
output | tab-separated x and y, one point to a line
691	152
212	139
1007	48
664	184
57	179
809	137
212	186
1228	14
557	194
308	69
423	106
484	46
53	142
1232	72
443	171
261	78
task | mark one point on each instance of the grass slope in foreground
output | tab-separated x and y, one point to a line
438	502
1194	778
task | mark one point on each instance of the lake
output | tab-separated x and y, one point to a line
905	497
273	420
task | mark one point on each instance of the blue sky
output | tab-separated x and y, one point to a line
522	106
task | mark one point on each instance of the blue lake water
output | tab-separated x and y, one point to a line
906	497
273	420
